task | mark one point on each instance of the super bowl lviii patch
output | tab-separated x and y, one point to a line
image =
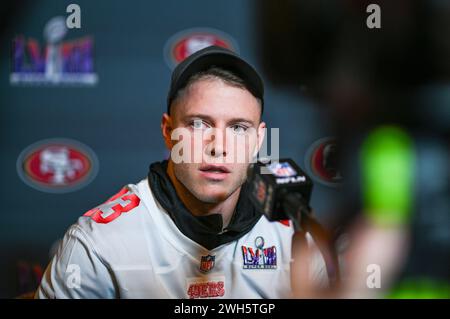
259	257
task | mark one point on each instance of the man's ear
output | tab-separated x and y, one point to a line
261	134
166	130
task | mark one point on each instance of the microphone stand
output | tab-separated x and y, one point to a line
302	217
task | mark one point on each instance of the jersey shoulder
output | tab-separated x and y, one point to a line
118	226
125	202
281	227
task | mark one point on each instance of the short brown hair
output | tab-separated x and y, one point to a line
214	73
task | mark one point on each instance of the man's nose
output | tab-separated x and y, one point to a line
216	146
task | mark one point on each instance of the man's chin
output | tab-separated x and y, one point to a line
213	196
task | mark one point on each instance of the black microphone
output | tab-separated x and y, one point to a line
281	190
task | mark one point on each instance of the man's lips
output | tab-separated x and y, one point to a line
214	168
217	172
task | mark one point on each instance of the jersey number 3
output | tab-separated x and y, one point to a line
114	207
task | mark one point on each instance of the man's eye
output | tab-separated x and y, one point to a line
239	129
198	125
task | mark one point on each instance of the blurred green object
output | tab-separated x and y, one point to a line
388	166
420	289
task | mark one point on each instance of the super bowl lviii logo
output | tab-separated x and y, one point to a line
187	42
57	165
259	257
54	63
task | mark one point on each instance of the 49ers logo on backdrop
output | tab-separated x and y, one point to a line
122	202
187	42
321	162
57	165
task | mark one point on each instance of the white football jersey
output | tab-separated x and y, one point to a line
129	247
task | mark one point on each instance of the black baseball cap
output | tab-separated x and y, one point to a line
219	57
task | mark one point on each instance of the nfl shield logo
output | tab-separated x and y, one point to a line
207	263
282	169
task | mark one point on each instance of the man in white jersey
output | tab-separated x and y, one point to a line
189	229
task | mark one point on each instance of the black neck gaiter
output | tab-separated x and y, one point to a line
204	230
